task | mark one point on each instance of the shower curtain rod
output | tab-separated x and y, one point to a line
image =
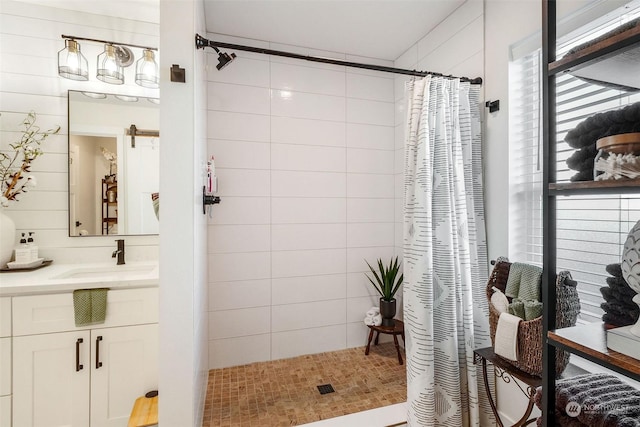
201	43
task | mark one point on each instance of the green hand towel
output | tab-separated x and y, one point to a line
517	308
532	310
530	289
523	282
90	306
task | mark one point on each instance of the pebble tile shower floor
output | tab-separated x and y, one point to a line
285	392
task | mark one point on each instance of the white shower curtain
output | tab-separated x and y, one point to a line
445	257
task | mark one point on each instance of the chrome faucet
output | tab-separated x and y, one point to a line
119	252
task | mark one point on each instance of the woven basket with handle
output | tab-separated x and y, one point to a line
530	331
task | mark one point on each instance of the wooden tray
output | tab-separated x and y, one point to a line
6	269
624	143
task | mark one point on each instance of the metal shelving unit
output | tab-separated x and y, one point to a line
588	341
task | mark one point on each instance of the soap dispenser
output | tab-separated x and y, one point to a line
23	253
33	248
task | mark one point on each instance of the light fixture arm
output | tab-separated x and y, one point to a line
107	42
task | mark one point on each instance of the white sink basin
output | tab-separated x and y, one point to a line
115	272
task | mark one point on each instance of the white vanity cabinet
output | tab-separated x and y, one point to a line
83	376
49	389
5	362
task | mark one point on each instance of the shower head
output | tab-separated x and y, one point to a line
224	59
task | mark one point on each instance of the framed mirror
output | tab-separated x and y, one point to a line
114	160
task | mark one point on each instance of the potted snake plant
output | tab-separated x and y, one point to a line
387	282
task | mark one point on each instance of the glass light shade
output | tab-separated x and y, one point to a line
108	69
147	70
94	95
127	98
71	63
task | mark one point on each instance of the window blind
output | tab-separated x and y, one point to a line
591	230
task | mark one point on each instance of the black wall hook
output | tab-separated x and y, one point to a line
493	106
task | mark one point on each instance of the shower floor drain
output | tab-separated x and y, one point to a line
325	388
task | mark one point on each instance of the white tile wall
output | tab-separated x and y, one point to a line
243	182
369	87
307	158
369	136
240	322
307	79
239	266
370	186
240	154
242	210
292	237
238	98
306	184
239	350
370	210
369	234
370	112
307	210
291	130
308	263
238	127
239	294
292	290
308	315
370	161
305	162
304	105
239	238
308	341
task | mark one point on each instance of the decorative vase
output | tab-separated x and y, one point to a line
388	311
630	266
7	238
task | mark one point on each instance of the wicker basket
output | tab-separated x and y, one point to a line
530	331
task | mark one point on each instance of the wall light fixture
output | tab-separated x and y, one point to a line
110	63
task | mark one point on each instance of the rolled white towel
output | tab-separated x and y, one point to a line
377	320
499	300
373	311
368	320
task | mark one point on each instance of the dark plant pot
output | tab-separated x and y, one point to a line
387	311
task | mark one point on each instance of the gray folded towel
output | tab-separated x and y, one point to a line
524	282
604	399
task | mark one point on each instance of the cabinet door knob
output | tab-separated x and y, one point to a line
98	362
79	366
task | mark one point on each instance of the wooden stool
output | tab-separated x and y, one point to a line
397	329
145	411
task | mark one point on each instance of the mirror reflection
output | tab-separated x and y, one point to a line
114	162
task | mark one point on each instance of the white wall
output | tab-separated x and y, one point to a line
183	267
304	158
29	44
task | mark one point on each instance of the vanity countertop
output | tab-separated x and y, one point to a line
57	278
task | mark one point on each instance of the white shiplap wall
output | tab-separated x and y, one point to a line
304	156
29	44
